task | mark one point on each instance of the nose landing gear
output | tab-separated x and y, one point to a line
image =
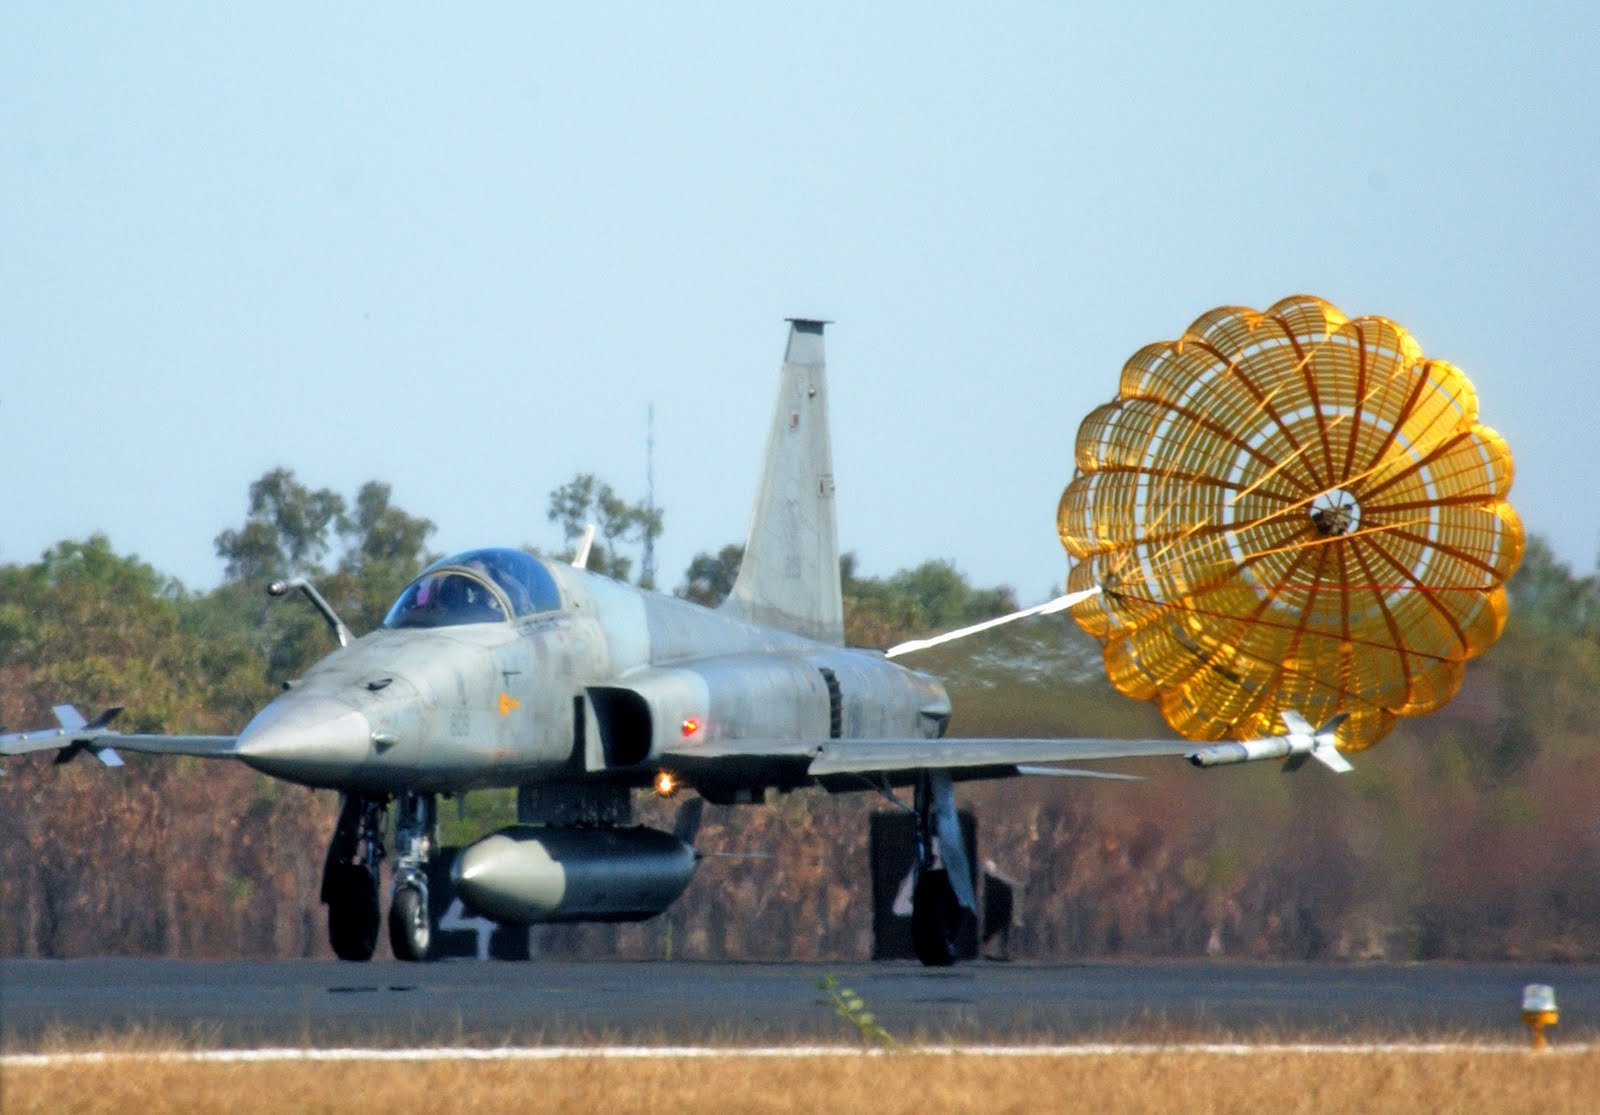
410	923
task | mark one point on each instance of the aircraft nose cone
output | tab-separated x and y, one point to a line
307	738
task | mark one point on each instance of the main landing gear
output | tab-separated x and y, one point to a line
350	877
943	901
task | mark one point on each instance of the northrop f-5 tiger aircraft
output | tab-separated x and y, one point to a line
498	669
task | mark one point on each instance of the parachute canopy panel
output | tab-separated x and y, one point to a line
1290	510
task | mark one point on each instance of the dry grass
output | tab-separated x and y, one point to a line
1129	1083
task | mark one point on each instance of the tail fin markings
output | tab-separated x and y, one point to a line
790	575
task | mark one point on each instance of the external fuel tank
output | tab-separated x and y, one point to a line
525	874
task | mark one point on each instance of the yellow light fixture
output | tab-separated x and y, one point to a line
1539	1011
665	785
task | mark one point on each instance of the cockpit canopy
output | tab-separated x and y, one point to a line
475	587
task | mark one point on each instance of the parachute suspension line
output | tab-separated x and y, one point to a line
1049	607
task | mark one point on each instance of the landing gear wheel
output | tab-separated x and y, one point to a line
936	919
410	931
353	915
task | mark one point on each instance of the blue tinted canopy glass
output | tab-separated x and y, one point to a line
455	590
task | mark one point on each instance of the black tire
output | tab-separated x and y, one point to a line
936	919
353	913
410	930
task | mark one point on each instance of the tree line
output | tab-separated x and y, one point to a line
1470	833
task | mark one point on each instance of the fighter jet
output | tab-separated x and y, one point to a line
495	668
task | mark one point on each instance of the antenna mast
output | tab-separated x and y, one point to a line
647	571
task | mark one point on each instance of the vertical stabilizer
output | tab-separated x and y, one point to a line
790	575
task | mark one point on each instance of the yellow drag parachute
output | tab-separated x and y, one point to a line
1290	510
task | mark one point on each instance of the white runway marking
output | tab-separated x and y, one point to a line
676	1052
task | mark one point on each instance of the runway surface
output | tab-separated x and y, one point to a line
325	1003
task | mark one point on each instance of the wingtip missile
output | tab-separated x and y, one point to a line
1299	743
84	733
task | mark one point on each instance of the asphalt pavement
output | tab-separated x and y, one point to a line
323	1003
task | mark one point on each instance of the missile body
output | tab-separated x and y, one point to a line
1300	743
1246	751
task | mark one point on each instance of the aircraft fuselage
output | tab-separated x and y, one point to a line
588	690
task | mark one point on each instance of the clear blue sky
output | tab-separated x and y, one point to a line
461	249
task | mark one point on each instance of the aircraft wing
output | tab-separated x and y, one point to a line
877	756
76	735
828	758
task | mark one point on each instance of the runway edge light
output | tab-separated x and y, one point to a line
1539	1011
